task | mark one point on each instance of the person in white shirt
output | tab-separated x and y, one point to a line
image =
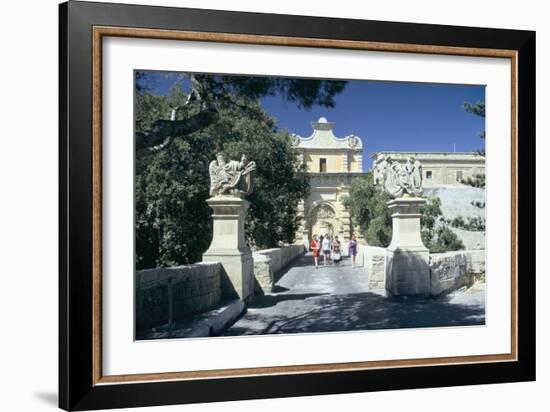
326	249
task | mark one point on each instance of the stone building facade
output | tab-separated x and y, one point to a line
440	169
332	163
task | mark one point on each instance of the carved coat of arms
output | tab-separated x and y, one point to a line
396	178
234	178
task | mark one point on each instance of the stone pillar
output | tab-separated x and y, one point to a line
360	160
345	162
302	236
228	243
407	269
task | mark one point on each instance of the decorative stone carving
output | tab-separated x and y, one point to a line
234	178
406	264
324	212
229	183
398	179
322	219
353	141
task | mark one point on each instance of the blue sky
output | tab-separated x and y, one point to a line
392	116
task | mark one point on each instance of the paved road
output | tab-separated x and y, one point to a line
336	298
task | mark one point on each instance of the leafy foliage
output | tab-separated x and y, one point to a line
305	93
368	208
475	224
445	241
173	221
436	234
478	204
477	109
477	180
213	92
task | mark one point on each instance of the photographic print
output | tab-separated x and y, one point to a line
278	205
241	193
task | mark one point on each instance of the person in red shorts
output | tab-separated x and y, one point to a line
315	247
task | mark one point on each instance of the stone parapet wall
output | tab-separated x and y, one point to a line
268	262
166	295
373	259
476	261
449	270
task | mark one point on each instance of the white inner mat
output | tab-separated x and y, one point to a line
122	355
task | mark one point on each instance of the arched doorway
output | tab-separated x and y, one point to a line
322	221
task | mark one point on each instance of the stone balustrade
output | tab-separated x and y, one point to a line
166	295
373	260
268	262
448	271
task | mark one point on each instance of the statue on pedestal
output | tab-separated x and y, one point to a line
398	180
231	178
406	264
229	183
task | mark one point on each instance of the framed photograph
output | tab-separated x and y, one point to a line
256	206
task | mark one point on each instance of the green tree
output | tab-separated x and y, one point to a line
436	234
477	109
477	180
208	94
173	223
368	208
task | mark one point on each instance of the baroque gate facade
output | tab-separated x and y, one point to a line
332	164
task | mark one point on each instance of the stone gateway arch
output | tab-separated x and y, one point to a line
332	163
322	220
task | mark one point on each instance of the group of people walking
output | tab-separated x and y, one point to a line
330	248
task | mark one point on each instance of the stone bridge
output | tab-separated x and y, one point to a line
292	296
339	298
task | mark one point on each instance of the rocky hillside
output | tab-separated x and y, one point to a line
457	201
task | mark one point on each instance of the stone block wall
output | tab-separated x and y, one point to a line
268	262
167	295
449	271
476	261
373	260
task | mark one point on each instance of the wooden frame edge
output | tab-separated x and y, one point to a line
98	32
514	218
97	229
298	369
297	41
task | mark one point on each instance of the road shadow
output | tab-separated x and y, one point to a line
266	301
367	311
279	289
363	311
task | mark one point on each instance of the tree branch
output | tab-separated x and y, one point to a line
163	129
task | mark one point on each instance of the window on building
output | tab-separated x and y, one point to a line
459	175
323	165
428	174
